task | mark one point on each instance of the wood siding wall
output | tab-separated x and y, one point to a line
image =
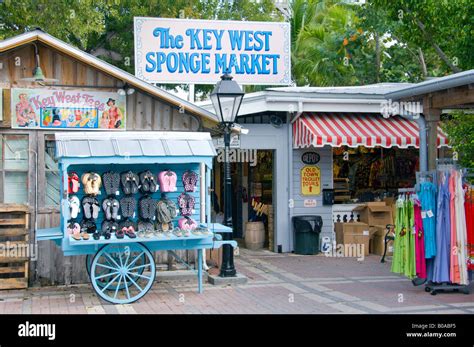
325	164
144	112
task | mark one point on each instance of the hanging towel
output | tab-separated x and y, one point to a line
454	275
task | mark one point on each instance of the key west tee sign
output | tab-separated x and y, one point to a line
200	51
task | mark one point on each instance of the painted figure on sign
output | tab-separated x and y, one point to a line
113	114
25	115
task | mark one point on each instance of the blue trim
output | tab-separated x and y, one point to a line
138	160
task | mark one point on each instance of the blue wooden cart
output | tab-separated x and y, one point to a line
123	270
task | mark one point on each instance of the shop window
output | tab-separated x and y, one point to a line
51	172
14	168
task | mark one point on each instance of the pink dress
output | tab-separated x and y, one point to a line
419	242
454	274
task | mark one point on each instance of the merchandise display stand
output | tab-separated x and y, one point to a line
122	270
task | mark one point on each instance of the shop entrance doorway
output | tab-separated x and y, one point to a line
253	194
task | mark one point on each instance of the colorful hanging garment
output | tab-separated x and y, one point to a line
419	242
410	265
454	275
398	243
443	233
461	237
403	260
427	196
469	211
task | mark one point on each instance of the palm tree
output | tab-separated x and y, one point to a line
319	56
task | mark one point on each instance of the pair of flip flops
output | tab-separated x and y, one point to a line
146	229
148	182
147	207
74	206
88	226
126	228
190	179
128	204
111	208
91	182
130	182
181	232
91	207
187	223
73	183
186	204
107	228
165	210
111	181
167	180
75	230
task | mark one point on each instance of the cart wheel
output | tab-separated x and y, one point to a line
434	292
103	280
122	274
427	289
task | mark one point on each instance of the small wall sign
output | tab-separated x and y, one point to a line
310	158
310	180
309	203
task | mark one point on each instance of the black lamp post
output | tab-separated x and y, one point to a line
226	99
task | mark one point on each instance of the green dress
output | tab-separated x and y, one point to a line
398	243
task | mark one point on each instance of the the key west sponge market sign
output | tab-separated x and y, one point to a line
200	51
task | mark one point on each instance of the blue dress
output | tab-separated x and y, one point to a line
443	234
427	197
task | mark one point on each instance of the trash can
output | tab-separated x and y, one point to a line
307	230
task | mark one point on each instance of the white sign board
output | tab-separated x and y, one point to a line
192	51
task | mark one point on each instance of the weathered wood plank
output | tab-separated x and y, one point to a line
13	283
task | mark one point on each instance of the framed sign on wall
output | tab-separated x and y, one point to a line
310	180
63	109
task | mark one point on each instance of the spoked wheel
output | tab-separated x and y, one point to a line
103	281
122	274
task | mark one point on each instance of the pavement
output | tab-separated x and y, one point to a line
277	284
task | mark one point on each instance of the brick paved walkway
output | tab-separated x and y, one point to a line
278	283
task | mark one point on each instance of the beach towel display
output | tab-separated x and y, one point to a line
167	180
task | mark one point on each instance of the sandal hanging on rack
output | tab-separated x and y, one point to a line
111	182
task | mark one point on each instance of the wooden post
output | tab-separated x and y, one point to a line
432	116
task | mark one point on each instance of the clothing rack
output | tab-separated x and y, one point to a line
406	190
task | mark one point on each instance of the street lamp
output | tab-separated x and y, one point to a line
226	99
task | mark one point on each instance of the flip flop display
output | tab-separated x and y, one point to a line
148	182
73	183
130	182
186	204
128	206
147	208
92	183
190	179
111	208
167	180
91	207
74	206
111	181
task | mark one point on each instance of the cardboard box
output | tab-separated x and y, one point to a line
377	245
353	233
377	230
375	213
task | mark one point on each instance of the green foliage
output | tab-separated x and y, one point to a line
460	130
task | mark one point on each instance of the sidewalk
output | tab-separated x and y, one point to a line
278	283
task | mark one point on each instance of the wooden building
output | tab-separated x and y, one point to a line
28	168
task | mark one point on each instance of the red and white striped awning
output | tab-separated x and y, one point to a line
368	130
